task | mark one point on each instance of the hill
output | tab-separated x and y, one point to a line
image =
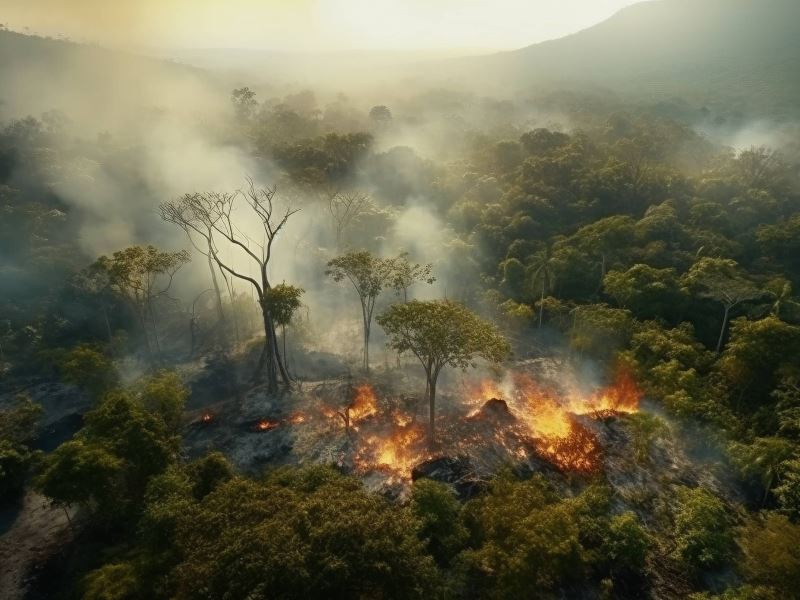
743	54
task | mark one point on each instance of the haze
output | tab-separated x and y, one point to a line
310	25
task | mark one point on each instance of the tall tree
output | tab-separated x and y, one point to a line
720	280
405	274
215	218
140	275
543	275
284	300
368	274
441	333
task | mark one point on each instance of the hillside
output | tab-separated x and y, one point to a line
743	54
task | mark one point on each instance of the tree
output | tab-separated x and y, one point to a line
88	368
214	218
244	103
380	114
345	208
309	533
404	274
543	273
770	547
763	460
720	280
368	274
441	333
107	465
703	535
163	394
284	300
645	290
436	506
18	426
134	274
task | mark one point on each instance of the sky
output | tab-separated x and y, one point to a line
309	25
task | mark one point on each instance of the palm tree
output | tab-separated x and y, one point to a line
543	274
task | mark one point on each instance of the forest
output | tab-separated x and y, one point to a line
282	341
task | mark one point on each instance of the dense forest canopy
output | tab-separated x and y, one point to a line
269	340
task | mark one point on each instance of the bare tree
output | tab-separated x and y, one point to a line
345	208
209	218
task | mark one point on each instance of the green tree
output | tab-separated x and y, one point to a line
18	427
437	507
312	533
87	367
720	280
543	276
368	274
770	547
702	530
163	394
284	300
441	333
762	460
135	273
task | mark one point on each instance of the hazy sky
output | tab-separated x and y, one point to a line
309	24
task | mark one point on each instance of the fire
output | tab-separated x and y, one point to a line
266	425
398	453
206	418
296	419
550	418
364	405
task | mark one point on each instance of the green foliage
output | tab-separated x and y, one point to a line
107	465
770	547
164	395
644	430
285	538
113	581
702	530
627	544
437	508
87	367
18	426
442	333
283	300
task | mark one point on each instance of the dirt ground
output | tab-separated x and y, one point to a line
37	531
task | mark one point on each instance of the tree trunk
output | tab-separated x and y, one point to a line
108	325
215	283
541	307
268	354
722	331
431	412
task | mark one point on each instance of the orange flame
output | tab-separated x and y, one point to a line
207	418
550	419
397	453
364	405
266	425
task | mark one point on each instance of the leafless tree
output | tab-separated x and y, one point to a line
345	208
210	218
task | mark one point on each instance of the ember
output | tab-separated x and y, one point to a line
266	425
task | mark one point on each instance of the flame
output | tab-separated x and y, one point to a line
296	419
364	405
550	418
266	425
206	418
397	453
